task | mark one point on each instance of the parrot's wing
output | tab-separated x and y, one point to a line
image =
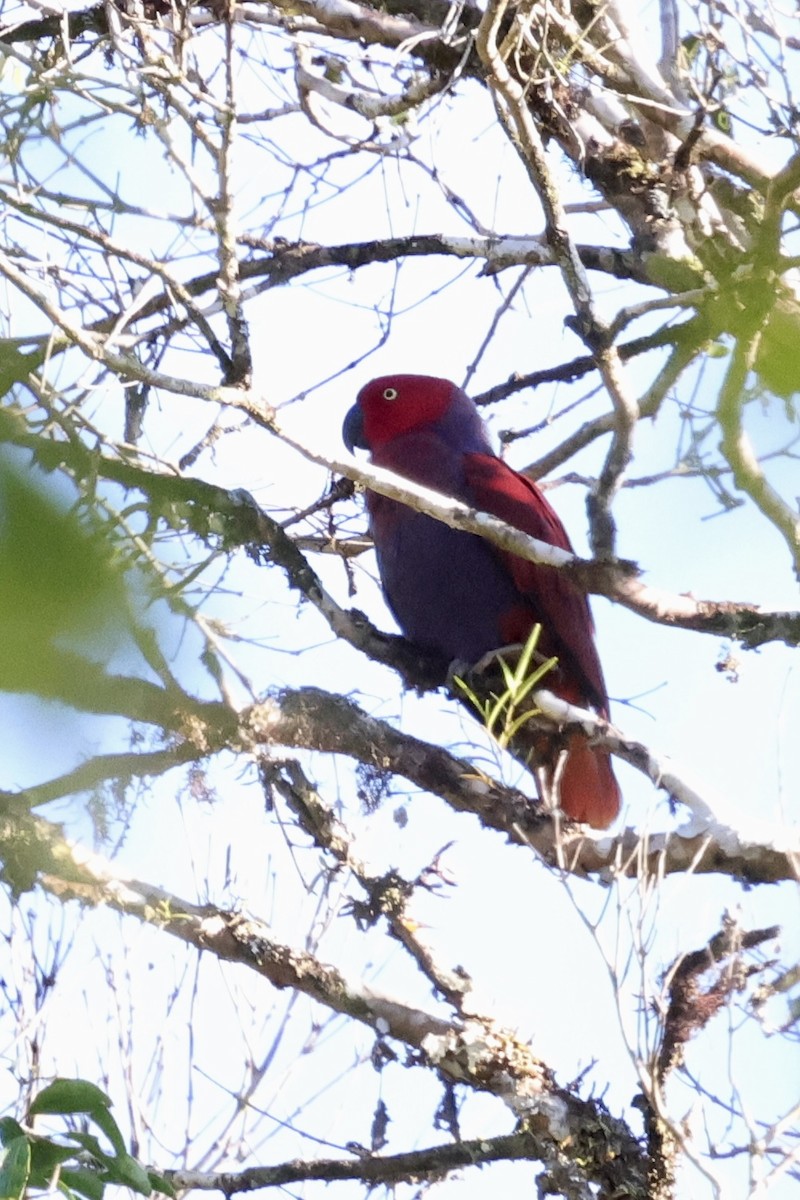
563	610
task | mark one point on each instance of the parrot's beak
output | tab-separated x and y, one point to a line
353	430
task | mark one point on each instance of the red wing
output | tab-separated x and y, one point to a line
567	627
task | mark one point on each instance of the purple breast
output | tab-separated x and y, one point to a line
447	589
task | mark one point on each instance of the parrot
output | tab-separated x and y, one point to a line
460	596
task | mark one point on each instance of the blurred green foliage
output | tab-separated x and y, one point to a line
60	584
72	1161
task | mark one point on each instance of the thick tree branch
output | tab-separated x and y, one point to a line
316	720
618	580
285	262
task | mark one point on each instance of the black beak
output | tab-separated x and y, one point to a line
353	430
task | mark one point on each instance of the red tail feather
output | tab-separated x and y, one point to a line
588	789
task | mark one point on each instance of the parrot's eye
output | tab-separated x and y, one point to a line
390	393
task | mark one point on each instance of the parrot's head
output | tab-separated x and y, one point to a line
395	404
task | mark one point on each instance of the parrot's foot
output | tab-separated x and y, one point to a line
461	672
458	672
491	659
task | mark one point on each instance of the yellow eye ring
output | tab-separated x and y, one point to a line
390	393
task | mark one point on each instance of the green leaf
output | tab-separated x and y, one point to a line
103	1118
14	365
126	1170
10	1129
120	1168
535	679
15	1168
70	1096
160	1184
60	582
523	665
81	1179
464	687
691	46
91	1145
46	1155
513	728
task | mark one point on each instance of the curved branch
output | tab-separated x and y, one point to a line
288	261
75	680
740	456
122	769
316	720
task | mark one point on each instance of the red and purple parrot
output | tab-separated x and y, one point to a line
458	595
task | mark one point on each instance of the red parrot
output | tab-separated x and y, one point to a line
459	595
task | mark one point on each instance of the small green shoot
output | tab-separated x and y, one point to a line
506	713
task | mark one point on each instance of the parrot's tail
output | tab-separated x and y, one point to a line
576	775
587	788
